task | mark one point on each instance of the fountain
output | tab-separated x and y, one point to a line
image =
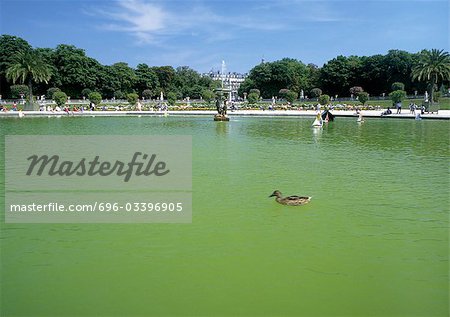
221	98
221	104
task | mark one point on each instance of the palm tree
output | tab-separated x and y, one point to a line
27	66
432	67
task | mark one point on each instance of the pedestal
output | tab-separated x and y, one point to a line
221	117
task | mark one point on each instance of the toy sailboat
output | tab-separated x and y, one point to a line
318	122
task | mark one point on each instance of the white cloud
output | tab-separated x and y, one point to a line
151	23
142	20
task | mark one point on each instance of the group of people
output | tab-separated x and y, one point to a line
412	109
4	108
66	108
59	109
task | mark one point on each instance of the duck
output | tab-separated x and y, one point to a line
290	200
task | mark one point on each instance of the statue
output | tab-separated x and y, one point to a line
221	107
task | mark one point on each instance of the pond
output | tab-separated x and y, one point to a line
373	240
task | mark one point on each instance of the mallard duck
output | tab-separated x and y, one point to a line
290	200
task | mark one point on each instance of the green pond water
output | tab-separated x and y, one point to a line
372	242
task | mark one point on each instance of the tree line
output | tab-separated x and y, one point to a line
377	75
68	69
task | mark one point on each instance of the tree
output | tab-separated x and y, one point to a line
126	76
286	73
187	82
324	100
208	95
315	92
171	98
118	94
177	92
436	96
260	76
51	91
245	87
313	77
397	67
115	78
146	80
74	70
28	67
355	90
194	91
108	84
19	91
256	91
85	92
9	47
47	55
147	94
288	94
363	97
95	98
434	67
165	74
60	98
397	96
398	86
208	83
283	92
374	74
252	98
291	96
341	73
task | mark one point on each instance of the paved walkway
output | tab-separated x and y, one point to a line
441	114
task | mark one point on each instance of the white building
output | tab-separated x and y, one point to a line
230	80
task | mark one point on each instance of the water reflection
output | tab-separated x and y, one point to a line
222	127
317	134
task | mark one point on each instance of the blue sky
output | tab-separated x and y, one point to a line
200	33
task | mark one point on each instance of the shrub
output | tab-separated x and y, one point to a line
60	98
398	86
363	97
324	100
397	95
17	90
283	92
436	96
208	95
315	92
171	98
147	94
95	98
85	92
291	96
132	98
119	94
51	91
252	98
256	91
355	90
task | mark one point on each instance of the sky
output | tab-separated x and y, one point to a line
202	33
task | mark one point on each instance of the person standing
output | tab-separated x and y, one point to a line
399	107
